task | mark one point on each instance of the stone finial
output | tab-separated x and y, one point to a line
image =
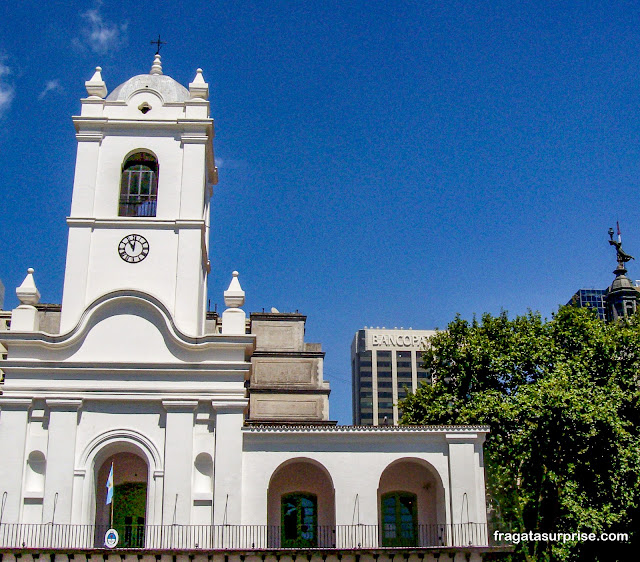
24	318
234	295
96	86
156	67
233	318
199	88
28	292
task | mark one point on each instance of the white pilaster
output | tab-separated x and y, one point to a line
178	454
467	503
227	486
13	433
58	491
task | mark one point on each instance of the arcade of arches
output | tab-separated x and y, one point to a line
301	503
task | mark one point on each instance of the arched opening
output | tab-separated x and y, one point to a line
139	186
202	511
203	474
36	468
301	506
126	512
34	487
411	505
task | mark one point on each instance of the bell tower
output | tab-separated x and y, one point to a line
139	216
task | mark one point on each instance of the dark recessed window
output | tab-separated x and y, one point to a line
399	519
139	186
299	520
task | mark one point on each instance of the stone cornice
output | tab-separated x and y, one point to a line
64	404
20	399
179	406
137	222
278	316
190	138
89	137
288	389
125	367
21	403
461	429
290	354
229	405
180	124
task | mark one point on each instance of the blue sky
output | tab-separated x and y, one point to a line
381	164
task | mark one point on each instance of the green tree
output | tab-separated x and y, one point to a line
563	402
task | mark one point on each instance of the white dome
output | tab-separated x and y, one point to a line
167	87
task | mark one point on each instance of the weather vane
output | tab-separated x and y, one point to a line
621	255
159	44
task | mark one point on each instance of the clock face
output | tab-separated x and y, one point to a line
133	248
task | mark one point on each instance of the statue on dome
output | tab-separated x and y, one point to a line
621	256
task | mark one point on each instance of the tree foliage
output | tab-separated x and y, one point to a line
562	399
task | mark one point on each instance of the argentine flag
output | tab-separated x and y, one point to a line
110	486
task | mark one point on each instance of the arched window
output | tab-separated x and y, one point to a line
629	308
299	520
399	519
139	186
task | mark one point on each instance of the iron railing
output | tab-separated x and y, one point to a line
137	207
244	537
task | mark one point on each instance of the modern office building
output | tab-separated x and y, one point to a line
385	365
593	298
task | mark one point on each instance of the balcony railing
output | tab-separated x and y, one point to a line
244	537
137	207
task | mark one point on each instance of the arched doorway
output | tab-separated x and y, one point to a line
127	511
301	506
411	505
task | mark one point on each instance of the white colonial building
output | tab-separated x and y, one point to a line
217	429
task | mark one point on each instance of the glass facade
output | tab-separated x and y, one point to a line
593	298
365	388
385	385
404	375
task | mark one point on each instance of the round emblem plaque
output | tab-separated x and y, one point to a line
111	538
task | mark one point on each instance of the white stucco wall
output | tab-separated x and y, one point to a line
356	459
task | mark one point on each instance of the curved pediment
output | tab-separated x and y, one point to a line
131	326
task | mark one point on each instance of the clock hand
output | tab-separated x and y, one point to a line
133	245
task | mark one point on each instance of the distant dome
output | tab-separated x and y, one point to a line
621	282
167	87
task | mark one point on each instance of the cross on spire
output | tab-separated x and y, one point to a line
159	44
